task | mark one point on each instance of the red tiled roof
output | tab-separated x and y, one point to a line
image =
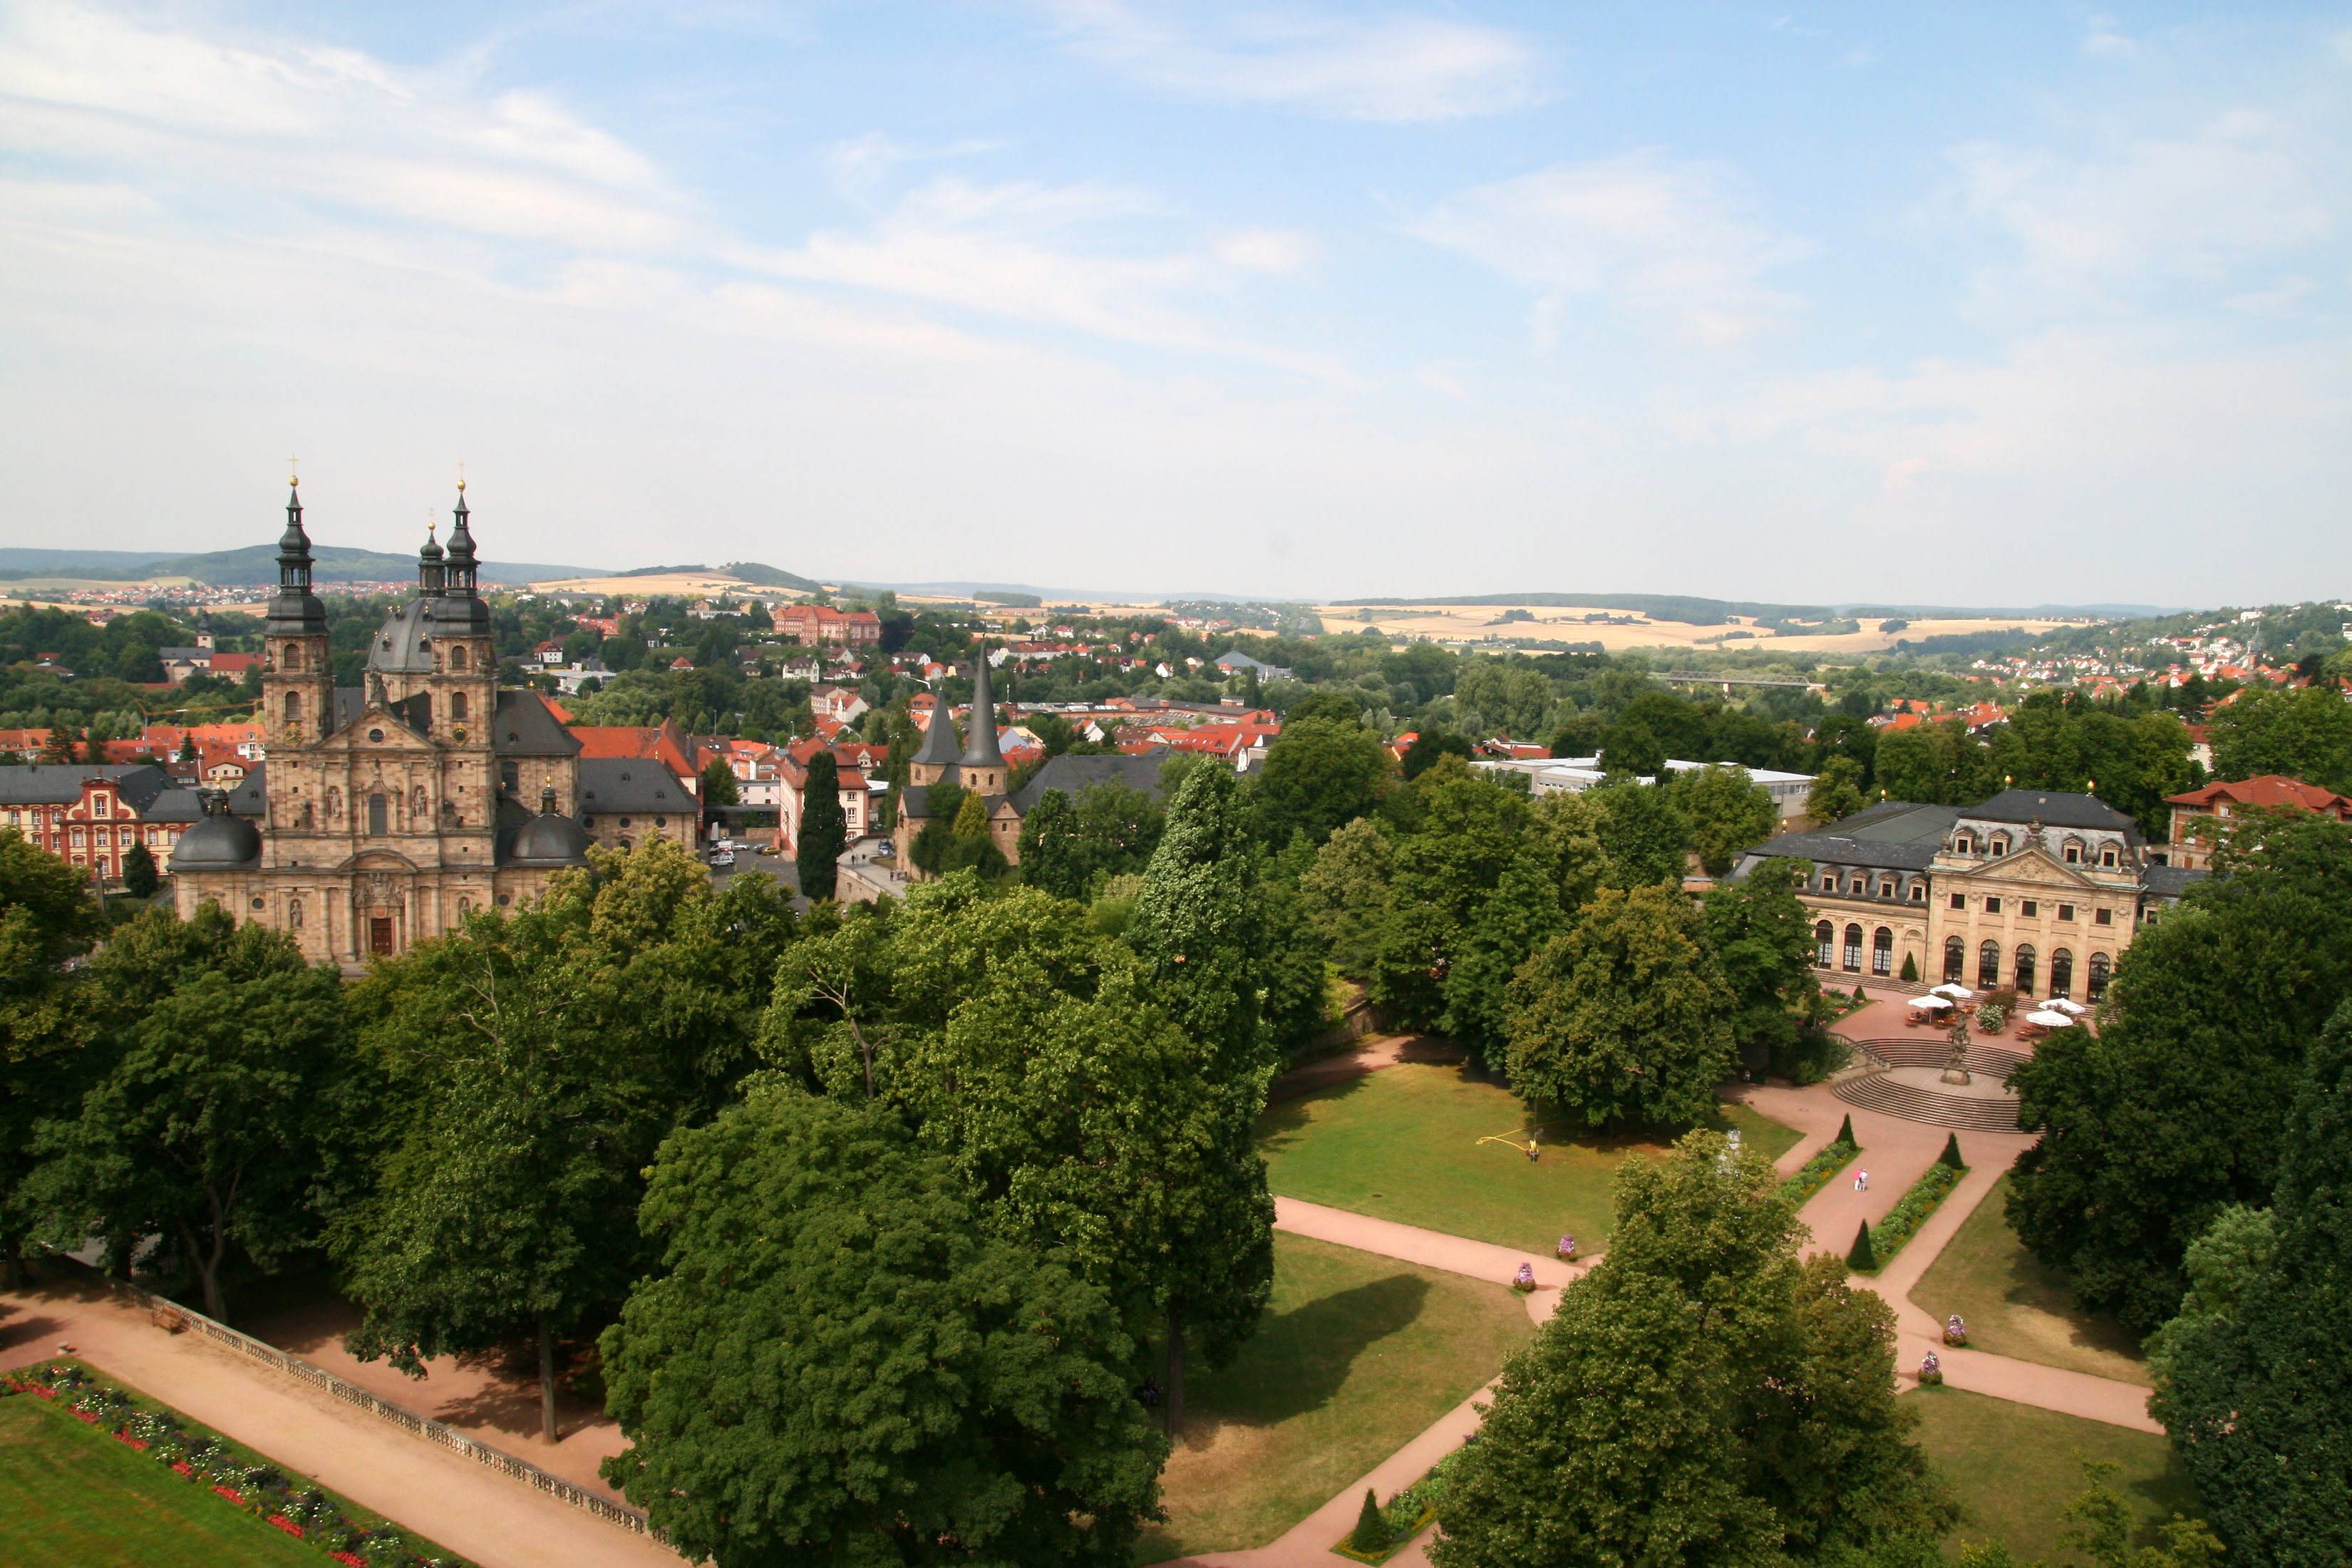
2268	790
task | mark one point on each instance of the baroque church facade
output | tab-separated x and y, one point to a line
389	812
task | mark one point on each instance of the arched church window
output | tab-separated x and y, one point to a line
2099	972
1854	950
2025	969
379	814
1825	940
1882	951
293	706
1989	965
2062	974
1956	960
458	660
292	659
457	702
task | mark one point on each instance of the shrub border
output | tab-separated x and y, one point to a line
1413	1510
1912	1211
204	1458
1815	1173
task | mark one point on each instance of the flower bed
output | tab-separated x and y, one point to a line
1408	1513
1903	1220
240	1479
1815	1173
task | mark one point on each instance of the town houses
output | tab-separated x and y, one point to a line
814	624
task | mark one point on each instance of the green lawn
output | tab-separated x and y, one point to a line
1403	1144
2017	1306
1356	1356
73	1498
2016	1468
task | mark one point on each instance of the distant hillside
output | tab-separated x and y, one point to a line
1711	612
254	566
761	576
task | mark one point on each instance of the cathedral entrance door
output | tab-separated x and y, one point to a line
380	935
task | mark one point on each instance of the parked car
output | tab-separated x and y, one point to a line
722	857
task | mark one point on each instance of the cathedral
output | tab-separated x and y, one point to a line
386	813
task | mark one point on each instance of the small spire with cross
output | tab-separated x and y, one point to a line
293	470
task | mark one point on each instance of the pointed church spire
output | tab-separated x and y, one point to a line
939	738
981	750
296	611
431	575
462	565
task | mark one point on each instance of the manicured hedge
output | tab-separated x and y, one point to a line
1815	1173
289	1502
1903	1220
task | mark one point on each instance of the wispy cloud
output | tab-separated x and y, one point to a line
1666	240
1391	68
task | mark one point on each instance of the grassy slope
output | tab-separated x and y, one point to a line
2016	1306
73	1498
2016	1468
1403	1144
1356	1356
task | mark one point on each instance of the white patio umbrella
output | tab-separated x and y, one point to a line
1932	1003
1956	992
2062	1006
2050	1018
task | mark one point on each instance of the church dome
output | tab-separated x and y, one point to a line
549	839
219	842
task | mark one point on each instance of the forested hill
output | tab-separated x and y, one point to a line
1712	612
255	564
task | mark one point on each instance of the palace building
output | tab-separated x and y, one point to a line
2039	891
385	813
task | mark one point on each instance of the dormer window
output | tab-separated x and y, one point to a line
2108	859
1963	845
2000	844
2074	854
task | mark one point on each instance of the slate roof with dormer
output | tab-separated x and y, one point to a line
2054	808
1896	836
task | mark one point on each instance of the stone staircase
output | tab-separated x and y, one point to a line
1875	1089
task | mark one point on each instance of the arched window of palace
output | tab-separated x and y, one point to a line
2025	968
1956	960
1988	966
1854	950
1882	951
379	814
2062	974
2099	969
1825	940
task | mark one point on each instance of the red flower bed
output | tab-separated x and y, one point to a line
185	1467
232	1494
286	1524
352	1558
85	1416
138	1443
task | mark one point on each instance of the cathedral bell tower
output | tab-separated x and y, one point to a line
297	684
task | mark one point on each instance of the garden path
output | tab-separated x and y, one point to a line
479	1513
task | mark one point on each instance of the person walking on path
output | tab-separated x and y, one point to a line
1861	1181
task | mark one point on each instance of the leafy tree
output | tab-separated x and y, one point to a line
1050	854
718	786
1511	698
1728	811
825	828
2170	1114
1763	939
1626	1015
1699	1397
1471	830
1430	745
204	1130
841	1364
972	816
1344	894
1334	706
1629	747
139	878
1319	775
1836	792
1580	736
1200	929
2261	1402
2221	1265
1119	825
1644	837
49	1050
2304	734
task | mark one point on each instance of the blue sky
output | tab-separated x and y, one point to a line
1984	303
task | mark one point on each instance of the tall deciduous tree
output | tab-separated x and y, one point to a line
1763	939
1320	774
205	1130
1346	891
1050	854
1836	792
1728	813
825	831
841	1364
1625	1017
2170	1113
1646	839
2305	734
1699	1397
2261	1402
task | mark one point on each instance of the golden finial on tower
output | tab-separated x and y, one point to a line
293	470
461	473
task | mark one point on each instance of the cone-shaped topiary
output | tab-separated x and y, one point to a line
1910	970
1864	1258
1845	1131
1951	1154
1859	994
1371	1531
